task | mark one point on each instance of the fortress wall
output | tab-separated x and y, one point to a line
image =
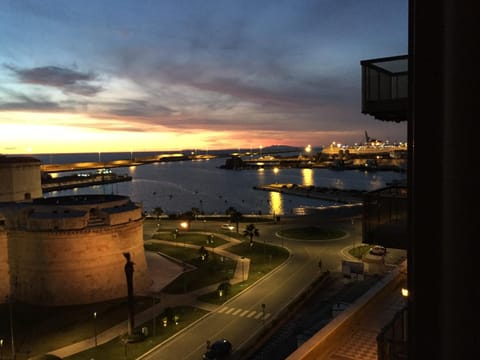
6	183
19	179
77	267
124	216
58	222
4	267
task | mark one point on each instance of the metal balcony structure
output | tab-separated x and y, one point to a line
385	217
385	88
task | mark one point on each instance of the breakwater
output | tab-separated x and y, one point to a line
316	192
81	180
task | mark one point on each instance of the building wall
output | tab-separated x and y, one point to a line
76	267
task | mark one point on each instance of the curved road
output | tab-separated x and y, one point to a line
243	318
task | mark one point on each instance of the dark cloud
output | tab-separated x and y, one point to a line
68	80
21	102
29	105
139	108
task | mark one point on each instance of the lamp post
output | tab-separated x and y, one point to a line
243	269
1	349
263	315
95	327
184	226
10	310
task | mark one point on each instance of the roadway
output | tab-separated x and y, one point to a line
243	319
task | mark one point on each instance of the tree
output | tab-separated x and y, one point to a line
235	216
251	231
195	212
158	211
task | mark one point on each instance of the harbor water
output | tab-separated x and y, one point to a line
179	186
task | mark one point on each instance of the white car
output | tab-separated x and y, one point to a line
229	227
378	250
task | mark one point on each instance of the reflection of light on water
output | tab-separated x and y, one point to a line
276	203
339	184
376	183
307	176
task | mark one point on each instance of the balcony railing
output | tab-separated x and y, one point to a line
385	217
385	88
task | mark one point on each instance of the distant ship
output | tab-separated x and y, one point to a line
370	146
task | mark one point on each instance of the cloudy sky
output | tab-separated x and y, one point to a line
140	75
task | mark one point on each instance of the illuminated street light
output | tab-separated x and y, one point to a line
95	327
404	292
184	226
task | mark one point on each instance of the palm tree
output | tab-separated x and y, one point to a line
251	231
158	211
235	216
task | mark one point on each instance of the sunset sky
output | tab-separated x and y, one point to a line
140	75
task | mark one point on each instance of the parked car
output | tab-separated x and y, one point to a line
218	350
228	227
378	250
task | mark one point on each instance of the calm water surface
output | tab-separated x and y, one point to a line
179	186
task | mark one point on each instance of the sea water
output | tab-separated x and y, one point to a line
179	186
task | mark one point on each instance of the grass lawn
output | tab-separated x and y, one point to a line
214	269
263	258
62	325
359	251
167	324
190	238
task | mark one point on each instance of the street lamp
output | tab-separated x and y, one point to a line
1	349
243	269
10	310
263	315
184	226
95	327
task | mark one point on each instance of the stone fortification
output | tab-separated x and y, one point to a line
4	273
19	178
69	250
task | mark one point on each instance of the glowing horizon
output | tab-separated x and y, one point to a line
92	77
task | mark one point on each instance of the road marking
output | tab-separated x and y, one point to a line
244	313
236	312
